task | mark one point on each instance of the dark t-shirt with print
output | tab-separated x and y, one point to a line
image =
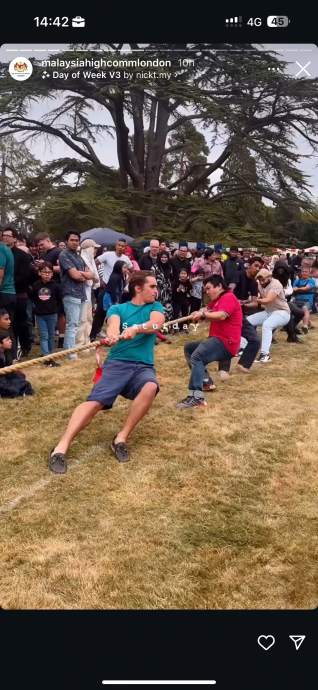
47	297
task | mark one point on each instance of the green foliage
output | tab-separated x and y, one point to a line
171	178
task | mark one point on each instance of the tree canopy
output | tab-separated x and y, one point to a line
200	147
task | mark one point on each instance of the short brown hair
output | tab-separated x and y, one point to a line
138	279
42	236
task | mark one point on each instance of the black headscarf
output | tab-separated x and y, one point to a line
166	268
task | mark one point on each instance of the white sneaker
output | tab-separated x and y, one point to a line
263	359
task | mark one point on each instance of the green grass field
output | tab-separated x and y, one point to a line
217	509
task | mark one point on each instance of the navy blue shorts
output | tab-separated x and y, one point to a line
121	378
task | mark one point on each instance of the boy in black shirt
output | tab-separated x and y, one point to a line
47	297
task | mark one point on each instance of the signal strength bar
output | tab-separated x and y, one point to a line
234	21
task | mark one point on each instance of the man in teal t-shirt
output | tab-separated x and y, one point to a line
141	349
7	294
6	271
128	371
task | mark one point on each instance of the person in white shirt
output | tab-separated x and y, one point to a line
107	260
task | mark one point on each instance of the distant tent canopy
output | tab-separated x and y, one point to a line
312	250
105	236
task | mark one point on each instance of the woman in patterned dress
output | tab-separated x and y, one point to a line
163	273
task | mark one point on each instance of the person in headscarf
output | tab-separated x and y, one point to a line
88	252
163	272
129	252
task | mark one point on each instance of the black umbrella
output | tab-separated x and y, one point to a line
105	236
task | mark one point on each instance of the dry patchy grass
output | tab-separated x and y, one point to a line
217	510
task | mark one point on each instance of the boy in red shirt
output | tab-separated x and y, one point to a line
224	313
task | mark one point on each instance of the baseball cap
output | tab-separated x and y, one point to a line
263	273
89	243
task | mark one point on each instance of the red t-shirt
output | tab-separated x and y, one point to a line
229	331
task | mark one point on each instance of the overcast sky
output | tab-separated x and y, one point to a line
106	146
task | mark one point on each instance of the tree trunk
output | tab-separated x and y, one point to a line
137	226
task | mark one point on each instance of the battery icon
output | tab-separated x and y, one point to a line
275	22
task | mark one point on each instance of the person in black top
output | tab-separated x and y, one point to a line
149	259
181	289
47	297
180	261
12	384
295	265
48	252
116	285
21	282
246	292
51	253
232	268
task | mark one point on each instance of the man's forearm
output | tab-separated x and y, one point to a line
80	278
214	315
149	327
113	330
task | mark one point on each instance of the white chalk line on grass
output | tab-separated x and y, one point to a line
44	482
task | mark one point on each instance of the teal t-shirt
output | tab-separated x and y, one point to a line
7	263
141	348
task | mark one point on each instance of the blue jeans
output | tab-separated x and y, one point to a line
47	325
30	315
73	308
198	355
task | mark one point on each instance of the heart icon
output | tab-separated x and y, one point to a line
266	641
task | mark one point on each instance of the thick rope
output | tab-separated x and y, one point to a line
72	351
48	358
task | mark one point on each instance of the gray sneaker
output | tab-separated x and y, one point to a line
191	401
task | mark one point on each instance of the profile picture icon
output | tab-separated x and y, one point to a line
20	68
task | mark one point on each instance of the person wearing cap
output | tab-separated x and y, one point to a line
88	251
276	312
233	267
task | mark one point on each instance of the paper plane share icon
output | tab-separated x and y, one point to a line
297	639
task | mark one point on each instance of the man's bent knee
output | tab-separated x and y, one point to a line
92	406
151	388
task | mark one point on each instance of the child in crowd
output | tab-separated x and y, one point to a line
5	325
47	298
12	385
181	289
196	290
